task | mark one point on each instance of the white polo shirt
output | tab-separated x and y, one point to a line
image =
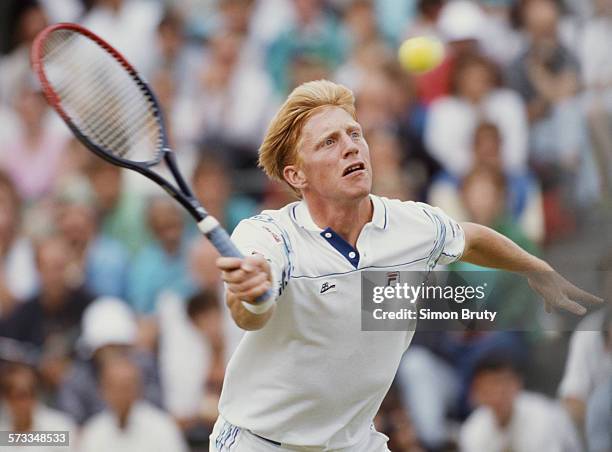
311	377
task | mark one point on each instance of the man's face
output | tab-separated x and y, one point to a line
541	19
20	395
497	390
77	223
167	224
334	158
53	260
121	385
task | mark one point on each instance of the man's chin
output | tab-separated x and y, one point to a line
358	192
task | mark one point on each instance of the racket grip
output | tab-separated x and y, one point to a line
222	241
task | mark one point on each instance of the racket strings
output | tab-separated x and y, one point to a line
102	99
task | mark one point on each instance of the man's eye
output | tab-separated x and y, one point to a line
329	142
356	134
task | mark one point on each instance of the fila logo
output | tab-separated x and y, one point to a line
328	287
393	278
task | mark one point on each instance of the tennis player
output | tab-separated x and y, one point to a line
305	377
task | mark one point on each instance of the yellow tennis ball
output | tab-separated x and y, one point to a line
420	54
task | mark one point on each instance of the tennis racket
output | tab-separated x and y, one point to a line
114	113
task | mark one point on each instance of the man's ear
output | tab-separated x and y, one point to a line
294	175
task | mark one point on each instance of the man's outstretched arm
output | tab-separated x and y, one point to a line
487	248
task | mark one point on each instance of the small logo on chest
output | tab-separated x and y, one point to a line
328	287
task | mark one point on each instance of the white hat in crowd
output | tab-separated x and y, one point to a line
461	20
107	321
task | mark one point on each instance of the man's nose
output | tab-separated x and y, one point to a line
349	147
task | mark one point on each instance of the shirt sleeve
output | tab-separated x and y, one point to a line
449	242
262	235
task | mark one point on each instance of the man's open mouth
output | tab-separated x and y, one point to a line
360	166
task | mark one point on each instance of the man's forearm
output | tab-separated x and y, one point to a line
488	248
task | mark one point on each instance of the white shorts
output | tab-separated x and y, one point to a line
227	437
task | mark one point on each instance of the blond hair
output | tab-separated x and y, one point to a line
280	145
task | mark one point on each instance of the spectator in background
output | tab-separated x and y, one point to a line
51	319
313	33
75	160
598	416
100	260
63	10
22	412
32	152
129	26
161	265
18	278
56	309
29	18
120	211
108	330
259	21
174	78
200	16
362	60
374	101
459	24
237	16
212	185
235	99
129	423
359	24
524	199
546	76
484	194
510	418
426	21
192	387
596	64
393	421
589	363
476	96
435	376
501	41
393	15
306	68
208	278
200	327
391	179
174	52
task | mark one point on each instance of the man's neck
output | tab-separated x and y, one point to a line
346	219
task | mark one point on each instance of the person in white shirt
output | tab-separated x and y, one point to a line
596	71
453	119
589	362
305	375
509	418
129	26
21	412
129	424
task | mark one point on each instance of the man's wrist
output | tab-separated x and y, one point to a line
259	308
537	266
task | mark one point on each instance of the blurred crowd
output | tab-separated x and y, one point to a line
112	324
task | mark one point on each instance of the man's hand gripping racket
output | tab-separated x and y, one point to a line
114	113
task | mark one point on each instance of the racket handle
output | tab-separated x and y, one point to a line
222	241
